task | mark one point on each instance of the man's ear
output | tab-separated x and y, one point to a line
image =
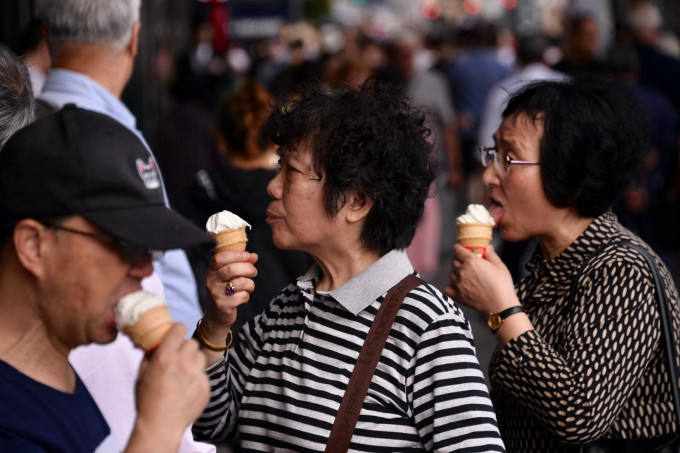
133	45
29	241
358	207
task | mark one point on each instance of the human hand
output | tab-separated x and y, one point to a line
482	284
172	390
231	267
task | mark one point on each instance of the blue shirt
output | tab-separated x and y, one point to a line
38	418
471	76
62	87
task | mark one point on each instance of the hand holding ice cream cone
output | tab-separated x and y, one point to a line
475	229
229	282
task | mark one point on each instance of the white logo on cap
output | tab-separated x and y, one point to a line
148	173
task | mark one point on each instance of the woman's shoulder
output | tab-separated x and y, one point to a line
620	254
618	269
428	304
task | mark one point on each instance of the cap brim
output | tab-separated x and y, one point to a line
155	228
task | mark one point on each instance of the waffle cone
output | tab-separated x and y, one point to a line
231	240
474	234
150	328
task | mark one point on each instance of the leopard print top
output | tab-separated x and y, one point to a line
593	367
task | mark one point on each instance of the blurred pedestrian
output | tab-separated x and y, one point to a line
474	71
427	88
580	50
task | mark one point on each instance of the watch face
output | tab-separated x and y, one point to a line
494	321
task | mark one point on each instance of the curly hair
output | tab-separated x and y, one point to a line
242	120
593	143
371	142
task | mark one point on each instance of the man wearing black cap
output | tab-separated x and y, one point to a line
80	213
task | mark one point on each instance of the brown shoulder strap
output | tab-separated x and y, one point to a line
353	400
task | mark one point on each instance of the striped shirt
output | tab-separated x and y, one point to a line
281	386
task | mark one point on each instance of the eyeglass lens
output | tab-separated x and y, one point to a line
491	154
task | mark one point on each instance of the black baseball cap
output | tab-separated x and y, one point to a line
79	162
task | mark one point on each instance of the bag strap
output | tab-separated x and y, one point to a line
666	325
353	399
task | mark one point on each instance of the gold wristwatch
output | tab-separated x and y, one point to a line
496	319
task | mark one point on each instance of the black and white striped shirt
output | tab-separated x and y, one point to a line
282	384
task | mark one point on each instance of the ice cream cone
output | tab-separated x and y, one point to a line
475	236
150	328
231	240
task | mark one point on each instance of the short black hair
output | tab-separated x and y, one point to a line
372	142
593	143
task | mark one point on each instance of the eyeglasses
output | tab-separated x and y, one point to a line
129	253
500	160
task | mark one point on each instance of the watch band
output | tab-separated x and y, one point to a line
496	319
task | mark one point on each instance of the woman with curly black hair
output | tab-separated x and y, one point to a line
356	167
580	356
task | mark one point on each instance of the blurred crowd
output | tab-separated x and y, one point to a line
461	74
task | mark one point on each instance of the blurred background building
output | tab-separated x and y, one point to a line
230	38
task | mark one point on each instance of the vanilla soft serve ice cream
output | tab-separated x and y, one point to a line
225	220
475	213
475	229
144	318
229	230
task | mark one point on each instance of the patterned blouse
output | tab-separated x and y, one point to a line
594	366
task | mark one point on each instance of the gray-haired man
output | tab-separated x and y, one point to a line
93	44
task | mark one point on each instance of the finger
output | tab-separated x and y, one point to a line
252	259
460	253
453	277
220	259
454	274
228	302
191	350
491	256
231	271
173	339
242	284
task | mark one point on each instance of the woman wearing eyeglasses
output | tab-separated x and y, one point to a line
579	354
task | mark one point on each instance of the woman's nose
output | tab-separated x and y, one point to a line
274	187
490	176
